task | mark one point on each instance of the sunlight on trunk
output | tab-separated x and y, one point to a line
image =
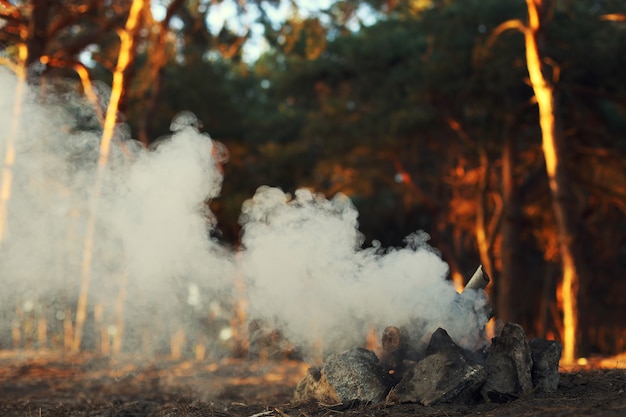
119	316
85	80
552	142
545	100
570	311
9	151
483	240
238	323
177	342
110	121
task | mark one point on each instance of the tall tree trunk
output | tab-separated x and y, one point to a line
8	158
127	44
158	62
508	285
38	31
487	223
482	234
563	201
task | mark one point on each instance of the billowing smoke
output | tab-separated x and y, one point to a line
151	246
302	262
306	268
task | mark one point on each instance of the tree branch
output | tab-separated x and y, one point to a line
503	27
70	17
158	62
171	9
8	63
81	43
11	13
8	10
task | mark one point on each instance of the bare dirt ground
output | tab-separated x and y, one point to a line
45	384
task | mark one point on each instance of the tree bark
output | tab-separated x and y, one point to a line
8	158
484	236
563	201
486	223
158	62
38	31
127	52
508	284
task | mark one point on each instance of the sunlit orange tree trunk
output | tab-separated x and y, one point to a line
554	151
6	177
126	54
9	159
488	205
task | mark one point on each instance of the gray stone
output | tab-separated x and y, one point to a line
354	375
441	342
438	379
545	371
444	376
509	365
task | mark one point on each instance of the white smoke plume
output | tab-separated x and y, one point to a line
306	268
151	222
302	259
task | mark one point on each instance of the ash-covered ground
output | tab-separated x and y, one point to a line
45	384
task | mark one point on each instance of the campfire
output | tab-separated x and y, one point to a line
156	286
442	372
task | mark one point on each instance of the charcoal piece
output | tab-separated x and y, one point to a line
445	375
354	375
545	371
509	365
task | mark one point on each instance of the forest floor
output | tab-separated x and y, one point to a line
45	384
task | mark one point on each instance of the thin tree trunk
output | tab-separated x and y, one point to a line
126	52
487	224
158	62
38	32
6	184
508	284
483	237
118	337
554	150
